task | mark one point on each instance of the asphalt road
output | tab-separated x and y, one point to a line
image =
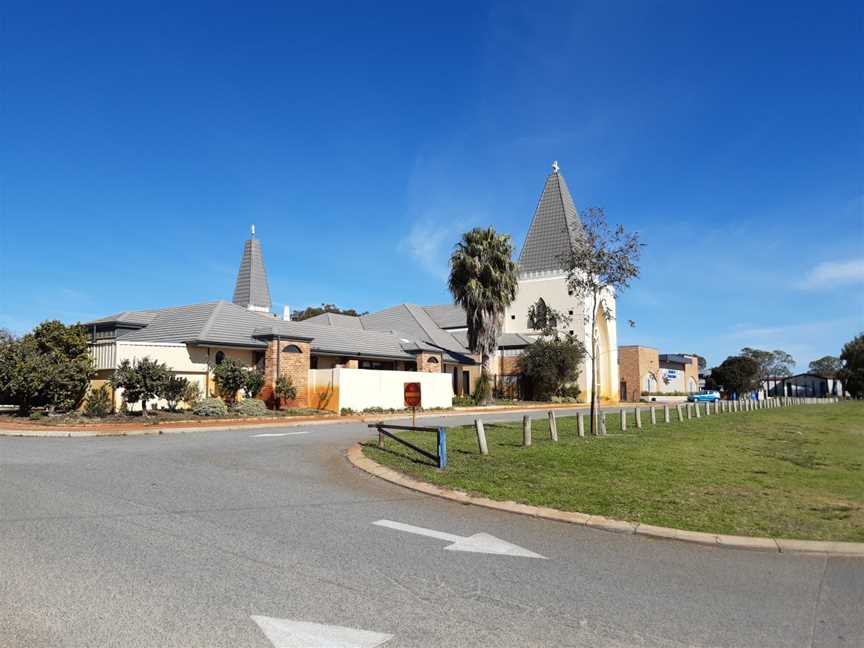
179	540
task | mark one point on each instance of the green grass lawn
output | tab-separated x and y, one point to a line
794	472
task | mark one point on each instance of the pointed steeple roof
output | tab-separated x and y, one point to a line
553	230
251	290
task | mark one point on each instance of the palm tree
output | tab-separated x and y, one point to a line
483	279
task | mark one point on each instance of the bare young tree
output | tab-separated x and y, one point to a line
602	264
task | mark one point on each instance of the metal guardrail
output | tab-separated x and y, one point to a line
440	459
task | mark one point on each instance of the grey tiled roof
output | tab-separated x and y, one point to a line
176	324
252	288
225	323
551	236
504	340
447	316
336	319
412	321
132	318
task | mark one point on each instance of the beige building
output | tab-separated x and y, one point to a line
337	361
645	372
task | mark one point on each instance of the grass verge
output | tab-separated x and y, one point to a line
794	472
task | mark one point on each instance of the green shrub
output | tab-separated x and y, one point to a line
211	407
284	389
346	411
35	416
230	377
173	390
551	365
141	381
251	407
191	394
463	401
254	383
571	391
98	403
564	399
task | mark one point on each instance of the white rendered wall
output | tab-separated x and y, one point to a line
185	361
361	389
552	288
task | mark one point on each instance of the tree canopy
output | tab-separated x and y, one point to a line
738	374
852	372
312	311
771	363
49	366
603	263
826	366
483	280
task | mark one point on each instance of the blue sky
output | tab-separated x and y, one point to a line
139	144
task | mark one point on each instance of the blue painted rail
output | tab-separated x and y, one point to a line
440	459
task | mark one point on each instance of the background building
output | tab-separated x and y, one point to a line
807	385
645	371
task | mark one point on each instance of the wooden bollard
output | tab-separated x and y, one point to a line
653	415
526	431
623	420
697	408
680	413
707	408
481	436
580	424
603	423
553	427
689	411
638	413
666	417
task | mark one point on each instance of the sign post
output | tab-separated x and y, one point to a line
412	399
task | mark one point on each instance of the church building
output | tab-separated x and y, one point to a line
340	362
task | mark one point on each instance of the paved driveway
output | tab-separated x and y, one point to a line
178	540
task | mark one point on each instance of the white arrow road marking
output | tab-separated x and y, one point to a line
477	543
279	434
285	633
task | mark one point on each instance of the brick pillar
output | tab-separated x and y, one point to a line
426	363
288	358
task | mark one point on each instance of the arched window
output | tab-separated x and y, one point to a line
291	348
650	384
432	360
220	357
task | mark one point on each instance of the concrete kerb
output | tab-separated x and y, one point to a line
128	429
779	545
179	427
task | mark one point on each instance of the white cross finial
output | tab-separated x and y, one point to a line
253	231
555	166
